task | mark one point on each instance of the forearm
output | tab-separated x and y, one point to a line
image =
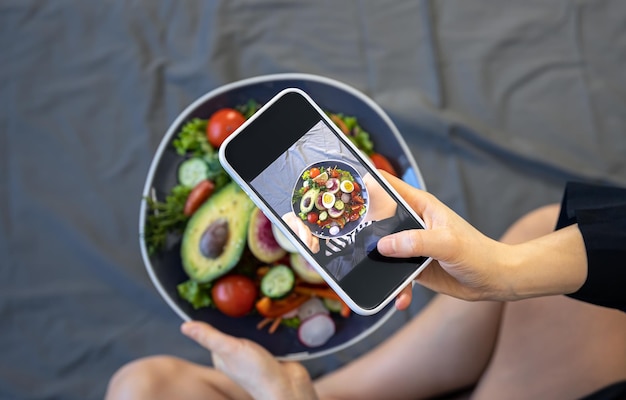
552	264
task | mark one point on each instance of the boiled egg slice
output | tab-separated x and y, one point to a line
328	199
346	186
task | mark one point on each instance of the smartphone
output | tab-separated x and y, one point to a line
325	196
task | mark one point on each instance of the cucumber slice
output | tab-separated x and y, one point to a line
192	171
323	215
332	305
278	282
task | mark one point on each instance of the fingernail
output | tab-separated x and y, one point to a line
381	243
399	303
385	245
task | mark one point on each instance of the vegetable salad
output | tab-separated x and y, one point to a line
329	198
284	292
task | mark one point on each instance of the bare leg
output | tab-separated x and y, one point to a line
164	377
447	346
554	347
443	349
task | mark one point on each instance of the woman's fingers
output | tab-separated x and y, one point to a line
401	244
209	337
223	348
439	244
403	301
245	362
302	231
250	365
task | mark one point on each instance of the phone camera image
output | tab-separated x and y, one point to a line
333	203
330	198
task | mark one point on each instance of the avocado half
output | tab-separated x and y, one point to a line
230	210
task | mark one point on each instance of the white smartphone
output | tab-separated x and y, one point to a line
325	196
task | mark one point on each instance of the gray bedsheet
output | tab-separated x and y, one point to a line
500	104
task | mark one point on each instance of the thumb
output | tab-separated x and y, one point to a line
209	337
414	243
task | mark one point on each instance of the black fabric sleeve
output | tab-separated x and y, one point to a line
600	212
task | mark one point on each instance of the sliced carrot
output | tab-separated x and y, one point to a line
345	310
261	271
324	292
275	308
263	323
339	122
263	305
275	325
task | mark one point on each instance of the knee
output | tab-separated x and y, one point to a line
143	378
298	374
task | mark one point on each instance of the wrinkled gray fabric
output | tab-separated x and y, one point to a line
500	104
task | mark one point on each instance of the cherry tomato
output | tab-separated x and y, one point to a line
334	173
381	162
357	199
314	172
199	194
357	187
234	295
312	217
221	124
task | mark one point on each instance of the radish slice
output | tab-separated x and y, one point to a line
311	307
316	330
282	240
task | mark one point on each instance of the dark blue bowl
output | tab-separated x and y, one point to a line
165	269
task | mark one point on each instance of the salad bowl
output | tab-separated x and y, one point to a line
165	266
324	224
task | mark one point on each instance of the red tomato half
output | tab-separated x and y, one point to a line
381	162
234	295
198	195
221	124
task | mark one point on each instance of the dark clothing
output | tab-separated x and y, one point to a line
616	391
600	212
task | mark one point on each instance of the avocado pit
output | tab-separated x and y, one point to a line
214	239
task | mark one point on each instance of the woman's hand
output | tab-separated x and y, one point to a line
251	366
463	257
302	231
469	265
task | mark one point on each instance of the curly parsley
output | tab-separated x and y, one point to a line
165	217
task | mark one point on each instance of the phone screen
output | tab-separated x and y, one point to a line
335	205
